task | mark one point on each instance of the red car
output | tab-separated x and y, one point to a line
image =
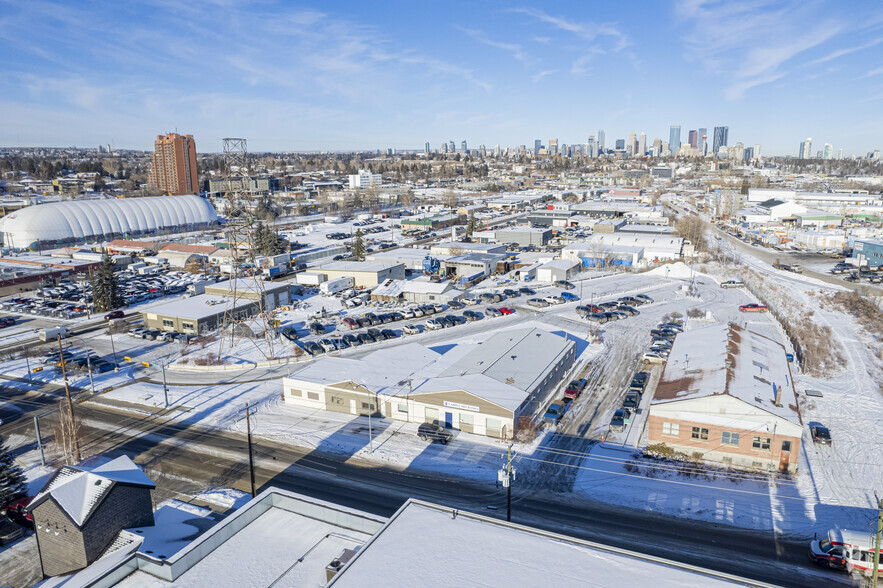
17	510
753	308
351	323
505	310
575	388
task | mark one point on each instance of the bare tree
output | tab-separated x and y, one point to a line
66	431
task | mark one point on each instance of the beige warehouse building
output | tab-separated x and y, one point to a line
366	274
477	388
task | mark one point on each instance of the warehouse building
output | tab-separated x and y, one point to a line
557	269
417	291
272	294
477	388
412	258
472	265
180	255
523	236
460	247
198	314
727	395
366	274
434	222
869	252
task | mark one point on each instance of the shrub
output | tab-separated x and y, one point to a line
526	430
695	313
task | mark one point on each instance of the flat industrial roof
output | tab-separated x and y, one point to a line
197	307
358	266
425	544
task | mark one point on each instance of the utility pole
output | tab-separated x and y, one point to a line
39	439
506	475
877	542
70	404
250	451
165	388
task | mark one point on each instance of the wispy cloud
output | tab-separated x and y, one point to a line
872	73
514	49
841	52
589	31
537	77
754	42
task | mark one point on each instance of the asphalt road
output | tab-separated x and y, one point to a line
181	458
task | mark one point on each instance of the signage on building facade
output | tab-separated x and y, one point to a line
461	406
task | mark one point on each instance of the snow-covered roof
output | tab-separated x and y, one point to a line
473	550
197	307
396	287
501	369
79	490
358	266
564	264
721	359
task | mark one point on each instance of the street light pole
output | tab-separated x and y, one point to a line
91	379
116	367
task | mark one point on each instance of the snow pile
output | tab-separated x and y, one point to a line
225	497
678	270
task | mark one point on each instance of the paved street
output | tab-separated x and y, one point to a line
182	459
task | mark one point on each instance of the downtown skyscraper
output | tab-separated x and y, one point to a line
720	139
674	139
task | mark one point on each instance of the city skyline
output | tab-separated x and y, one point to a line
359	78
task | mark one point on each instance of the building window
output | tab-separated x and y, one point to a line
728	438
187	326
402	408
295	392
786	446
336	400
700	434
671	429
313	395
757	464
168	323
367	406
761	443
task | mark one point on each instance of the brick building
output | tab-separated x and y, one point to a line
173	168
80	512
727	395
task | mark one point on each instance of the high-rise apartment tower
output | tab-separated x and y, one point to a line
173	168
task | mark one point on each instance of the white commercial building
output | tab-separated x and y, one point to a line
477	388
364	179
557	269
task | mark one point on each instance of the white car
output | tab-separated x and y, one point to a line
653	357
410	330
554	300
732	284
433	324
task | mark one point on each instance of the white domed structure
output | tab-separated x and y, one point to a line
77	221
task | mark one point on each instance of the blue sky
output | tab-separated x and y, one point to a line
365	75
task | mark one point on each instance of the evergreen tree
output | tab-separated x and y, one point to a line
358	245
470	226
12	478
105	292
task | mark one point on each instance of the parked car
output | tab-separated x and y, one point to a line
732	284
820	435
389	334
432	432
626	309
618	422
434	324
653	357
328	345
116	314
351	340
555	413
9	530
632	400
639	381
317	329
753	308
470	301
506	310
671	326
472	315
575	388
597	317
645	298
491	311
376	334
564	284
527	291
351	322
455	304
569	297
538	303
410	330
511	293
365	338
